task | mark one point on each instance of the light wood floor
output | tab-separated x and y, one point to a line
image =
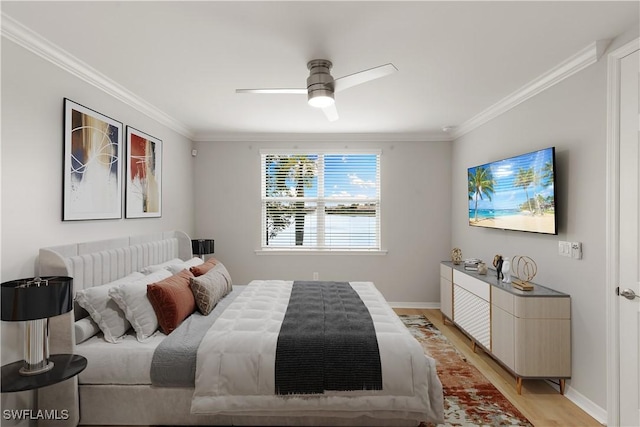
539	402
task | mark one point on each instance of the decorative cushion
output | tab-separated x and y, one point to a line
209	289
220	268
172	300
132	299
103	310
201	269
85	328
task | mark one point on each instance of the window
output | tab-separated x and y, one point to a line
320	200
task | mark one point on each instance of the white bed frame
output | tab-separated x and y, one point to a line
97	263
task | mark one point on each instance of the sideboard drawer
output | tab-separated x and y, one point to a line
473	285
542	308
502	299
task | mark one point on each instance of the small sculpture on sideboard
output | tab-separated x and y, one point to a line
497	263
456	255
525	269
506	270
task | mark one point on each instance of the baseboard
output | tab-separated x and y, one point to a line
419	305
583	403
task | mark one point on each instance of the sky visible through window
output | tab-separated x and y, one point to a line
346	176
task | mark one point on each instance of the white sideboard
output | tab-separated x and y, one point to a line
528	332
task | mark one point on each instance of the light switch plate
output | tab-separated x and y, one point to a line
564	248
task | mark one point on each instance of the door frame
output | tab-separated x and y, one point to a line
613	228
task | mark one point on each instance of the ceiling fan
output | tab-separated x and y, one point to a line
321	85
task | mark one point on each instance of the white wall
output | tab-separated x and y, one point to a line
415	217
572	117
32	156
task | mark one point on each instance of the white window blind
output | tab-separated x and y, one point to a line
320	200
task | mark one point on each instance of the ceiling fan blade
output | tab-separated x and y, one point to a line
281	91
331	112
364	76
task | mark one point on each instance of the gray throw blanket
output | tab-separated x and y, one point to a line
174	360
327	341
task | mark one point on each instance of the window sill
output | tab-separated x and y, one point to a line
376	252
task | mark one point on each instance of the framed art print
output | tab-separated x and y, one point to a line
144	175
92	164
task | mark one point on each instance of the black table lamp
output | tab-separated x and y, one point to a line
33	301
202	247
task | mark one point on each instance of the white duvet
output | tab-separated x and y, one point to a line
236	359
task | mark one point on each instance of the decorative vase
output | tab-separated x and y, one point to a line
482	268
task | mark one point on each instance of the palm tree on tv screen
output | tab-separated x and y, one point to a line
480	185
547	174
524	178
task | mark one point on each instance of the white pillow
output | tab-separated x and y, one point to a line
177	268
175	265
85	328
103	310
132	299
162	266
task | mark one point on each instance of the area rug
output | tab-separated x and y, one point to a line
469	397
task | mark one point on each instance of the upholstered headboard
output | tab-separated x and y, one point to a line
100	262
94	264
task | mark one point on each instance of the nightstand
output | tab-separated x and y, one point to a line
65	366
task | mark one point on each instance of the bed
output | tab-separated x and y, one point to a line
240	364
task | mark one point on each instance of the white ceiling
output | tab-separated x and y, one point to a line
455	59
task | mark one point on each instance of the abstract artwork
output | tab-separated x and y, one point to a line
144	175
92	168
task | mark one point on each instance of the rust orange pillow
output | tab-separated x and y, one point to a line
201	269
172	300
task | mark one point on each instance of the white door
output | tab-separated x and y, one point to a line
629	250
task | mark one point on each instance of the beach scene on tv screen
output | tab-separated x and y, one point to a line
514	194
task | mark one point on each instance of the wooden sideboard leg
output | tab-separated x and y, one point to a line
519	385
562	386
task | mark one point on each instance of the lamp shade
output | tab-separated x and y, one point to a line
36	298
202	246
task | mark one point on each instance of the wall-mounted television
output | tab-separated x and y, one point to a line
517	193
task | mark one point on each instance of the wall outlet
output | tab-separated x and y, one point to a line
576	250
315	275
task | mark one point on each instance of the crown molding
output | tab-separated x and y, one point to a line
585	57
21	35
16	32
321	137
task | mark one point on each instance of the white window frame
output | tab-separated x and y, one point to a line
320	200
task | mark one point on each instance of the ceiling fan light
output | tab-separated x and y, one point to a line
321	99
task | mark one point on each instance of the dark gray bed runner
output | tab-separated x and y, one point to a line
174	360
327	341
